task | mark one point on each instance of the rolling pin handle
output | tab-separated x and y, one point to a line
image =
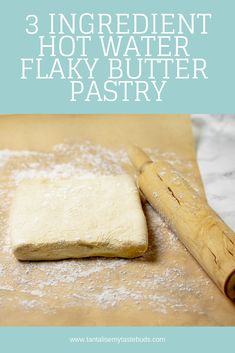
138	158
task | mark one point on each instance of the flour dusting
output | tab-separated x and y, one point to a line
164	286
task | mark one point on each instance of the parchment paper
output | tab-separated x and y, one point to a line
165	287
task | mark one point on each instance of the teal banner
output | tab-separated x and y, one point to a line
93	56
110	339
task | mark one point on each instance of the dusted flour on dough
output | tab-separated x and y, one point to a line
164	285
74	217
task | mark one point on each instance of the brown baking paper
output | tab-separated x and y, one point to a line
164	287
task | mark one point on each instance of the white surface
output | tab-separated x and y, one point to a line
215	142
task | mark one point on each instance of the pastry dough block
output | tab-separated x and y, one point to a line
73	218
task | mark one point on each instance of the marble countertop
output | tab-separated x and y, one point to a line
215	144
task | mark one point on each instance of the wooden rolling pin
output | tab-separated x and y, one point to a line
200	229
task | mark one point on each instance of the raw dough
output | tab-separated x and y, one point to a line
76	217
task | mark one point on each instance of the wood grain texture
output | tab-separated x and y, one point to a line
169	286
201	230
